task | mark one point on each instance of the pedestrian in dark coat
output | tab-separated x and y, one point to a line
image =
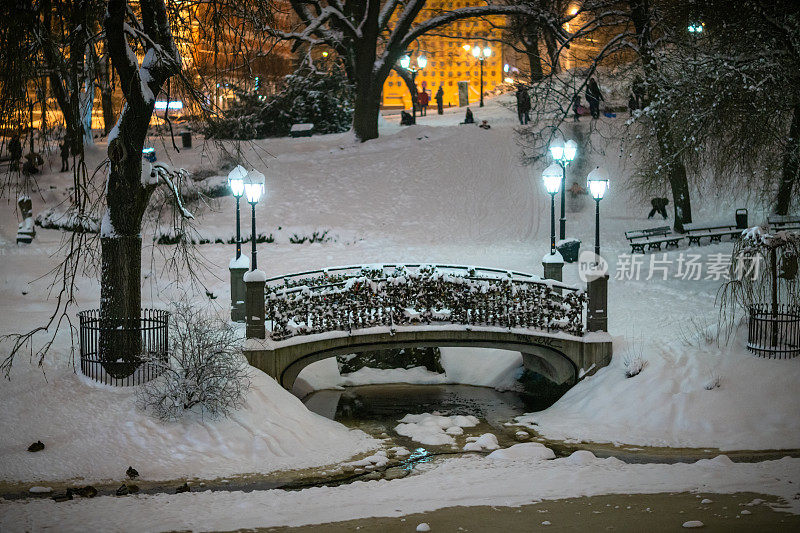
468	118
424	100
659	206
15	151
64	156
523	105
593	96
406	119
440	100
576	107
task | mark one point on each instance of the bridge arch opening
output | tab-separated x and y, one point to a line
549	363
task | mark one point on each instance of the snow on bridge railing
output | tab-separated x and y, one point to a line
356	297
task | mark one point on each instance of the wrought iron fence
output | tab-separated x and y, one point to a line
362	297
774	332
123	352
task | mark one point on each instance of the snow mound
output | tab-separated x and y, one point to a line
487	441
95	432
581	457
432	429
524	450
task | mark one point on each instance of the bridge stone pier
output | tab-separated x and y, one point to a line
321	314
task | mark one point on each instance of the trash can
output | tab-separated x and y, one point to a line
569	248
186	139
741	218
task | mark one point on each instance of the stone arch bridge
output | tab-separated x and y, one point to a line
314	315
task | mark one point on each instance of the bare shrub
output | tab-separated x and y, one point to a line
633	361
714	382
205	371
699	331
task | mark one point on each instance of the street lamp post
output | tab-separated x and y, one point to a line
552	182
481	54
253	189
255	279
236	179
552	263
405	64
238	265
597	284
597	182
563	154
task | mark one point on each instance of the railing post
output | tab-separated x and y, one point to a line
597	308
255	312
238	267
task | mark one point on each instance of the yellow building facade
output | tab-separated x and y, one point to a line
449	61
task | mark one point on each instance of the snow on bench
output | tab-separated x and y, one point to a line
653	238
301	130
784	222
714	231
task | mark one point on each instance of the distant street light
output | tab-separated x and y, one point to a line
563	154
597	182
696	27
480	54
253	190
236	179
552	182
405	64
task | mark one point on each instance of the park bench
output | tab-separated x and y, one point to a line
714	231
301	130
784	222
652	238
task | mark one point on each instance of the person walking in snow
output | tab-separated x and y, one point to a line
15	151
424	100
576	108
593	96
440	100
523	105
64	156
659	206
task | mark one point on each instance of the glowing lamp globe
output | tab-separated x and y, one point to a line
570	150
254	186
597	182
551	176
405	61
236	178
476	51
487	52
557	150
422	61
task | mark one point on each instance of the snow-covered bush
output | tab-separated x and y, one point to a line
322	98
633	361
714	382
205	371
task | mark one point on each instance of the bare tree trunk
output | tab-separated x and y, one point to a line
106	94
640	15
552	51
531	43
365	114
791	166
126	194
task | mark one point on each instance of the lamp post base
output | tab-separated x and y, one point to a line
597	308
254	281
553	265
238	267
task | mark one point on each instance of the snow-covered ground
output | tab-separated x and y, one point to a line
524	477
436	192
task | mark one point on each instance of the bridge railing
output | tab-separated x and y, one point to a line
348	298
